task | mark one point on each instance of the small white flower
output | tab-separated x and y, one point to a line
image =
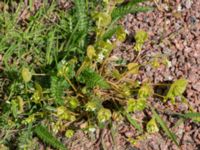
100	57
126	31
92	129
179	8
169	64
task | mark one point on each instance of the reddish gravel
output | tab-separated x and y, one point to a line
174	31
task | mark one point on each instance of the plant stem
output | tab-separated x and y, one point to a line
159	95
81	68
67	79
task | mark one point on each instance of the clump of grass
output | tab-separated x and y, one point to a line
60	71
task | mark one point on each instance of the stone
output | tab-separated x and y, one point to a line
196	86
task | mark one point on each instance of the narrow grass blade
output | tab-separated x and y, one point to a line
110	32
189	115
137	1
133	122
164	127
195	116
121	11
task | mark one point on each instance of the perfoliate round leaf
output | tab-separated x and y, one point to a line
106	1
176	89
179	86
91	106
60	110
145	91
140	37
29	120
103	115
121	35
136	105
155	63
73	102
91	53
119	1
152	126
69	133
3	147
104	19
133	68
126	90
131	104
26	74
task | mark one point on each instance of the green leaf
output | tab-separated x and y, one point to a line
137	1
26	74
92	105
136	105
81	14
105	47
66	68
145	91
110	32
103	19
103	115
57	89
73	102
91	53
195	116
92	79
121	34
164	127
152	126
123	10
43	133
14	107
140	37
25	140
69	133
133	122
176	89
37	95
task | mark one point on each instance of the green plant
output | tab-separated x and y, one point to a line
62	71
47	137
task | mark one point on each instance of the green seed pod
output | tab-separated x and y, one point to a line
145	91
84	90
126	91
91	53
140	37
104	19
73	102
121	35
103	115
136	105
69	133
26	75
60	110
91	106
29	120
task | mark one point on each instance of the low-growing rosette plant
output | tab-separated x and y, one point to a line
80	79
